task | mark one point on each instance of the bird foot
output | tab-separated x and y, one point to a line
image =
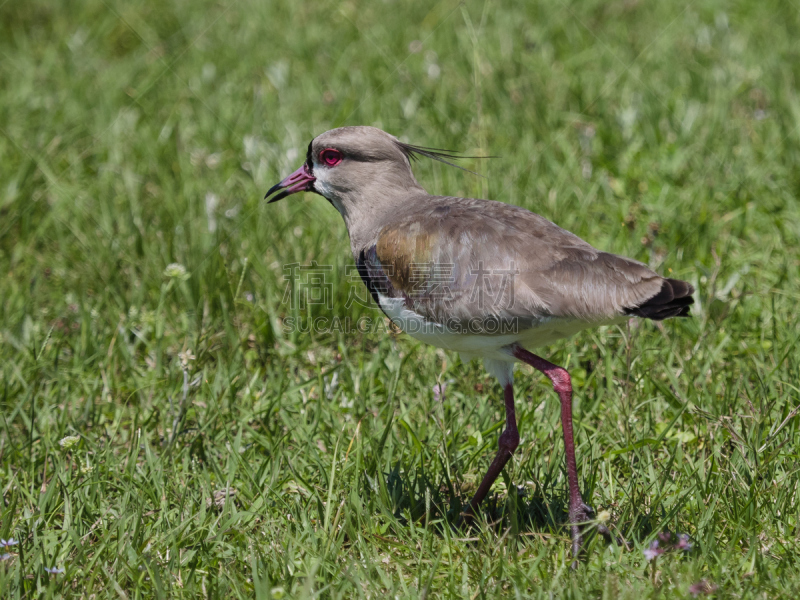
578	515
465	519
581	517
581	514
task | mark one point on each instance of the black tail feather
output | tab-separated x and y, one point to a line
673	300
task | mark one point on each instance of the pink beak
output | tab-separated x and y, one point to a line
300	181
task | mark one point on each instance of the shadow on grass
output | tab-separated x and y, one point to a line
539	511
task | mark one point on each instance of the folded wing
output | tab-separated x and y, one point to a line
474	259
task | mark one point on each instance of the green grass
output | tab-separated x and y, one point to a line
668	132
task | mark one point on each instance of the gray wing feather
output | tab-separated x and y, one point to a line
489	260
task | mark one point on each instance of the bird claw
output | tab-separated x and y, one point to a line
580	517
581	514
464	520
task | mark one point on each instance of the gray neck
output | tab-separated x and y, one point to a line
368	208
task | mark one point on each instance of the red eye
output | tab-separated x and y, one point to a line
330	157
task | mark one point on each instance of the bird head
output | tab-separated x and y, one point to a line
343	164
356	165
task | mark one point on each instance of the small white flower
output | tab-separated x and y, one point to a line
69	441
176	271
185	357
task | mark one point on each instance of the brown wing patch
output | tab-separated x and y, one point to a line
404	252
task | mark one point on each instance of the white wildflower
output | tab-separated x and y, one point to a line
69	441
185	357
176	271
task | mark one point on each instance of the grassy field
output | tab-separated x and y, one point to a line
133	394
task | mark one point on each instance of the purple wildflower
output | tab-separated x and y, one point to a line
702	587
438	391
683	542
53	570
668	542
653	551
6	556
8	543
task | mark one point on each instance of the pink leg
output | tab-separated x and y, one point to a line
509	440
578	511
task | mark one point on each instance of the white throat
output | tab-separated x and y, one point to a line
323	186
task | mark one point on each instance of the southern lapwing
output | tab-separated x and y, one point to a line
483	278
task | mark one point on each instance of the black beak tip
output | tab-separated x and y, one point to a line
277	197
271	191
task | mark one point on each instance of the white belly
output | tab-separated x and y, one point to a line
491	346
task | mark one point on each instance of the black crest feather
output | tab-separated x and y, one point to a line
443	156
